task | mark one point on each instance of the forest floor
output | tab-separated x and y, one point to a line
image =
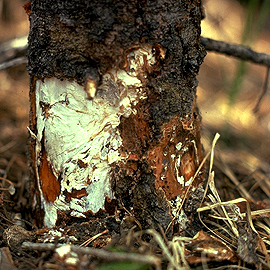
236	231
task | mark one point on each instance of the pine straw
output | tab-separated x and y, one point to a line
225	220
231	216
236	232
235	209
234	213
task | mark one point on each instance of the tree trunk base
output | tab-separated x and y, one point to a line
114	121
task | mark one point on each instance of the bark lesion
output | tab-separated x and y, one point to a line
138	63
49	184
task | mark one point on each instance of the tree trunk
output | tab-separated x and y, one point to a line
114	121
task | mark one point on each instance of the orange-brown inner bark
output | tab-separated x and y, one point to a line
49	184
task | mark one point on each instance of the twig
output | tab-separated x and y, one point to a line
14	62
229	173
6	219
88	241
13	48
6	180
136	221
100	253
235	50
9	165
164	248
7	146
9	51
265	86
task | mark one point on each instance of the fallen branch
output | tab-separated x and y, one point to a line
14	62
235	50
99	253
12	53
265	87
11	48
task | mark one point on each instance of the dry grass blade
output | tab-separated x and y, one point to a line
211	177
174	259
264	227
208	207
232	218
88	241
257	107
7	146
211	162
178	250
262	181
225	267
221	209
211	185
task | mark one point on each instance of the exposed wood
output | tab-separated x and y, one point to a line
113	109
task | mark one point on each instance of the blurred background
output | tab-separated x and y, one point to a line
229	89
228	92
14	106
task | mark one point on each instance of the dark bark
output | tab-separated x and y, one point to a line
83	40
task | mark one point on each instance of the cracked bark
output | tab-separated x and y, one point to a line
113	117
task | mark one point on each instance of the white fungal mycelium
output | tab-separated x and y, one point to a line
66	254
78	130
181	217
